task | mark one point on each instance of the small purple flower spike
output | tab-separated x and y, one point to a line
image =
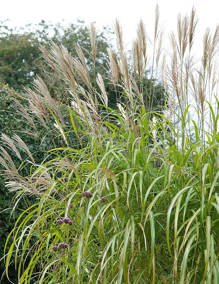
65	220
55	248
62	245
87	194
59	221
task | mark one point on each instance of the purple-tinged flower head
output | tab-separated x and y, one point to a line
59	246
65	220
62	245
59	221
55	248
87	194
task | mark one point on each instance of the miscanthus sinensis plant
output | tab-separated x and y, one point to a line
135	200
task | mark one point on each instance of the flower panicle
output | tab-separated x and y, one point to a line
64	220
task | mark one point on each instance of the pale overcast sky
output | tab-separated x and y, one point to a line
104	12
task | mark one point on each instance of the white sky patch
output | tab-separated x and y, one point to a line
129	12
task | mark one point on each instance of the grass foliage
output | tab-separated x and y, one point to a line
135	199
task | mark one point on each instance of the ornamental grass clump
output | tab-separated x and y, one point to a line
152	159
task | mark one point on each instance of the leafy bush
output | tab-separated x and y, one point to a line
39	140
21	59
136	201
